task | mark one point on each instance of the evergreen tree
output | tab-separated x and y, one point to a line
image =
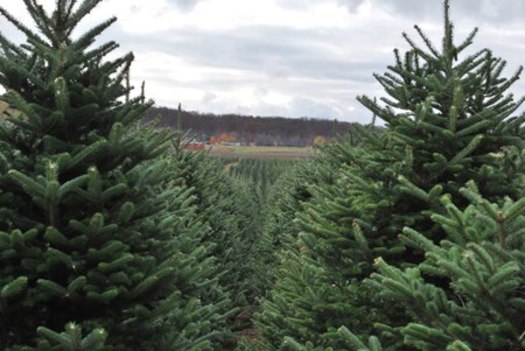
279	229
229	208
449	120
281	268
94	234
309	300
479	303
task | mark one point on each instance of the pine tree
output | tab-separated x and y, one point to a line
279	229
228	207
312	298
95	236
283	270
448	121
479	304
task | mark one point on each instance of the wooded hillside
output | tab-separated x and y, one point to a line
247	130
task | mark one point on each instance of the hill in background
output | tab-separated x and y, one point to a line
251	130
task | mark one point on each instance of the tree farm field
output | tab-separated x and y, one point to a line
270	152
118	235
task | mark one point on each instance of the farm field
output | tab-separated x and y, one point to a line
271	152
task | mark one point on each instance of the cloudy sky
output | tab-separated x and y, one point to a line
289	58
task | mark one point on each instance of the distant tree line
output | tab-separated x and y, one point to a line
251	129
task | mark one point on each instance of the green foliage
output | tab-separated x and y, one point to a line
279	230
262	174
449	121
263	180
98	231
281	266
310	299
70	340
229	207
103	230
482	263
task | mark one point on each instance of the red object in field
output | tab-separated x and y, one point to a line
194	146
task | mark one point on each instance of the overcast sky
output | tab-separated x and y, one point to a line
289	58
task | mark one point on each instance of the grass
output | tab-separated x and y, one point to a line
280	152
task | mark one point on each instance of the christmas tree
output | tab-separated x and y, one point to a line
282	268
478	304
449	120
96	234
279	229
229	208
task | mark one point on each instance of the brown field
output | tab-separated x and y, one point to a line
277	152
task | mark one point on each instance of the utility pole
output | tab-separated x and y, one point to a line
179	118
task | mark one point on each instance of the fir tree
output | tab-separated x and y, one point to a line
448	120
229	208
479	304
281	265
279	231
94	234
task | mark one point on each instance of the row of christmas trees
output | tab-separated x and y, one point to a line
411	239
111	236
414	239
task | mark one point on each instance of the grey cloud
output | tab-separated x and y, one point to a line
494	11
352	5
260	90
305	107
295	54
303	4
296	4
361	114
323	69
314	62
10	31
309	108
185	5
481	10
208	97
